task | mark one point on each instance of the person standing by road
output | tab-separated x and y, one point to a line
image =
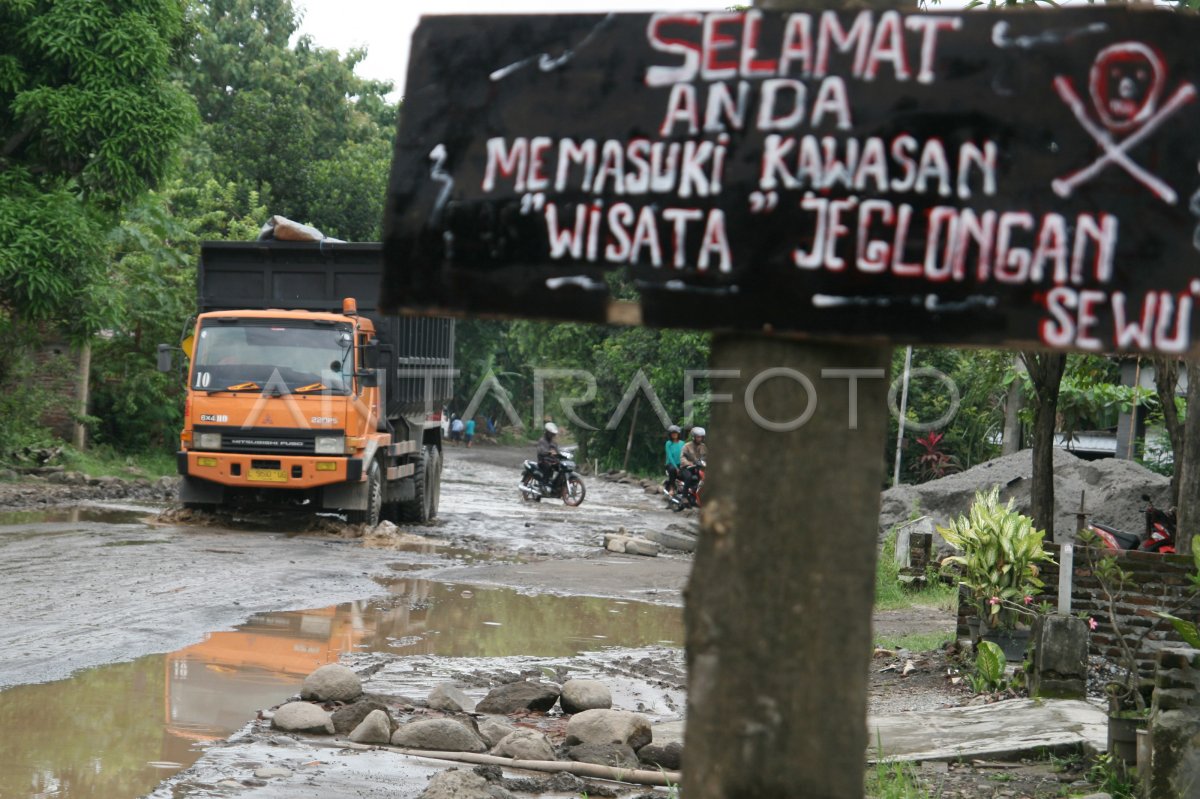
456	429
469	430
673	449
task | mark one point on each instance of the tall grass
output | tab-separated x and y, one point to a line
891	595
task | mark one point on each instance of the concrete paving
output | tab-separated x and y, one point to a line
1008	729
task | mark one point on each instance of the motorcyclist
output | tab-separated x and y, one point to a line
672	450
547	451
693	456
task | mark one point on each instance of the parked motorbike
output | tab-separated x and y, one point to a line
560	483
680	496
1159	535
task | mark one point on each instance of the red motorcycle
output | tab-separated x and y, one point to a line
1159	536
685	494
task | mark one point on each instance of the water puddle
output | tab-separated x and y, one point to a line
97	515
114	732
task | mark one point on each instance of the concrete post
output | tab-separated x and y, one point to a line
1174	771
1060	658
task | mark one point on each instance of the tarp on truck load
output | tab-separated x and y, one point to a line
317	276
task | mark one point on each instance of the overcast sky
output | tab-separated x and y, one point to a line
385	27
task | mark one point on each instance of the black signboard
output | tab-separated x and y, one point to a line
1020	178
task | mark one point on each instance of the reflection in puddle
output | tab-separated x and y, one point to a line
75	514
114	732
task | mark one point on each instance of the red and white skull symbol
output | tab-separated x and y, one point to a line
1126	83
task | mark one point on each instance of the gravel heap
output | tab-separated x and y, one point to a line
1111	488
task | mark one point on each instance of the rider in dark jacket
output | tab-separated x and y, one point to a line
547	450
695	453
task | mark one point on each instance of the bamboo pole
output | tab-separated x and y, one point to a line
594	770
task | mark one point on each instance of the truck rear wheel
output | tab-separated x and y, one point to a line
435	493
374	509
421	508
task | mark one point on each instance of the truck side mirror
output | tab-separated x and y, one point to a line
164	358
370	355
368	378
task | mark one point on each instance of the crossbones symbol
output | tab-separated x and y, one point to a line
1126	82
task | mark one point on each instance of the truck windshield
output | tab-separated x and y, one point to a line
266	358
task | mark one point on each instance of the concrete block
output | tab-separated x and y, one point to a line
1060	654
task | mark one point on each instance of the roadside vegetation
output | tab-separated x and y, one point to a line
891	594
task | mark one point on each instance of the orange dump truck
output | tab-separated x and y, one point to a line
300	393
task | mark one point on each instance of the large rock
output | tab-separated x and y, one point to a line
347	717
580	695
332	683
444	735
302	717
525	745
456	784
376	728
615	755
450	698
518	696
609	727
668	756
492	730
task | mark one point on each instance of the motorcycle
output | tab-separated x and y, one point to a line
562	482
1159	536
682	496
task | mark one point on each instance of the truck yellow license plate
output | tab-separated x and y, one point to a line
267	476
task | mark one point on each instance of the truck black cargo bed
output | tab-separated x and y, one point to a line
316	276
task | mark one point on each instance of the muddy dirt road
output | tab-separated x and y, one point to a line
113	612
143	638
110	583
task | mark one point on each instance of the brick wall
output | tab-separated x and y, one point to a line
55	365
1158	582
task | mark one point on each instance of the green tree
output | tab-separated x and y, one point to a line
291	122
153	255
89	120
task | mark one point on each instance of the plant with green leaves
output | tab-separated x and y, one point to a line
1110	775
999	562
988	676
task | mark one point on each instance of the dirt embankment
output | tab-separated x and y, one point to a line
19	492
1111	491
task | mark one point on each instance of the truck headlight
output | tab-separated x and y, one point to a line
208	441
330	445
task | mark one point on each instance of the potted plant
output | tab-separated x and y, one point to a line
1000	552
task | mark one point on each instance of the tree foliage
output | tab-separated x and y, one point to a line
89	119
293	123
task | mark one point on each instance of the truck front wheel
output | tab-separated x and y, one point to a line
370	516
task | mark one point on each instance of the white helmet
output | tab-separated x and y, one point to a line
697	432
552	428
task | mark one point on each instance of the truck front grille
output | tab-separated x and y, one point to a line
265	440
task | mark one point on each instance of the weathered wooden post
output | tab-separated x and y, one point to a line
850	178
778	608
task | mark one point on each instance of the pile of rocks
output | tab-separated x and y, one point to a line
508	722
